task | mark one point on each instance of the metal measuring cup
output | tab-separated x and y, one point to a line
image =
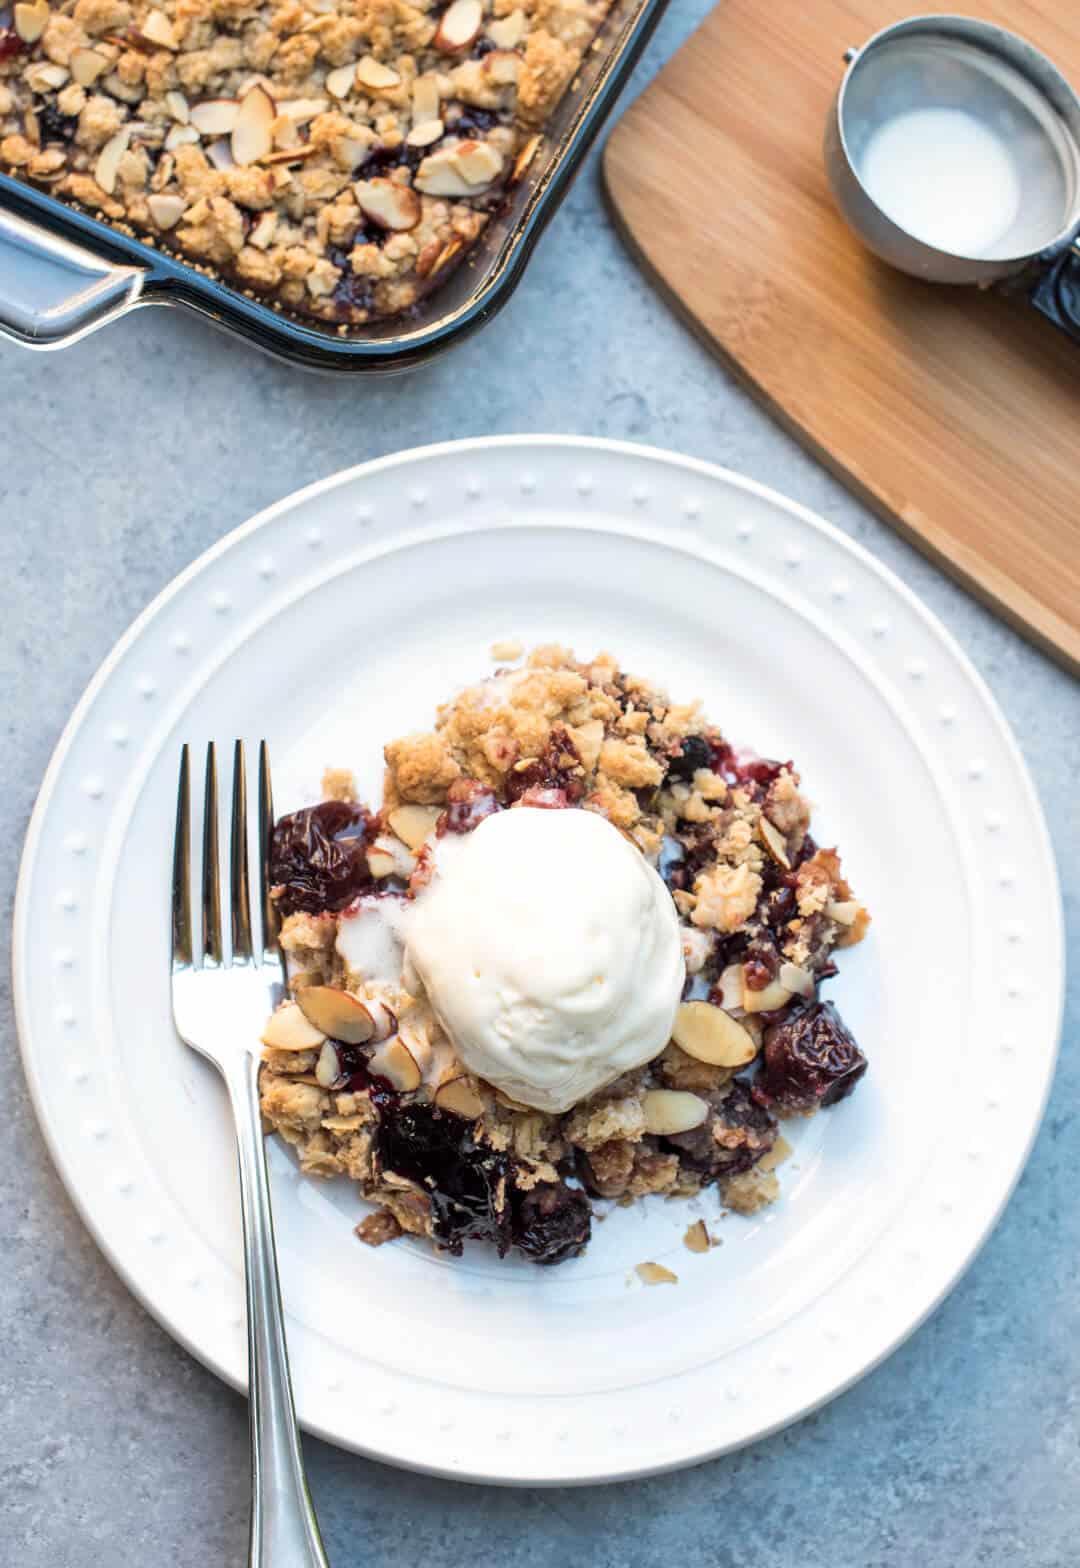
928	78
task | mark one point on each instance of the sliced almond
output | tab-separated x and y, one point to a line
301	110
340	1124
507	31
524	158
286	133
709	1034
415	1036
220	155
351	151
383	1018
461	1097
391	206
177	106
439	175
767	1001
339	82
44	77
844	913
179	135
670	1111
381	864
425	99
327	1068
87	65
403	862
291	155
397	1064
376	77
731	986
413	824
451	249
252	137
336	1013
262	235
289	1030
31	20
478	162
459	26
166	210
424	135
108	162
697	1238
774	842
159	30
501	67
214	116
797	979
655	1274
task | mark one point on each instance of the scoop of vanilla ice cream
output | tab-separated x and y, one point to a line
550	951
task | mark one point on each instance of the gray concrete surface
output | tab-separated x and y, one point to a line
120	461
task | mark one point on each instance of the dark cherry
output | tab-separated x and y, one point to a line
744	1131
810	1058
743	767
779	906
466	1182
483	46
352	292
553	769
471	1188
380	160
54	126
353	1071
696	753
761	963
552	1222
468	802
10	43
474	122
318	857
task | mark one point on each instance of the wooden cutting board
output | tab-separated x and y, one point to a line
954	413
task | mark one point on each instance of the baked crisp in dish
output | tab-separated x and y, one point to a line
337	157
401	989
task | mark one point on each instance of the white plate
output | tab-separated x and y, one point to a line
337	620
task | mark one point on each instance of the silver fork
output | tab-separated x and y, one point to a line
220	1006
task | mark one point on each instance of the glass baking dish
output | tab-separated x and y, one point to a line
64	273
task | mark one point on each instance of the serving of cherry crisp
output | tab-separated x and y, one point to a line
360	1078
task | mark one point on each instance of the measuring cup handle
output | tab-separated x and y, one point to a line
1057	293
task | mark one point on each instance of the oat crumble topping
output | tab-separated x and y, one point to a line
358	1075
336	157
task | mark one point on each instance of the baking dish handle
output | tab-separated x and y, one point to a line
52	291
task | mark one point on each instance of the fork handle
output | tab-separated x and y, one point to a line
284	1531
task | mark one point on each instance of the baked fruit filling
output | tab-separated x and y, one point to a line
401	988
336	157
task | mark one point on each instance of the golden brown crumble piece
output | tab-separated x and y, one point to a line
378	1228
337	157
752	1190
339	784
422	769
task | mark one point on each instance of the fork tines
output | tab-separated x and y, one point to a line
253	936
